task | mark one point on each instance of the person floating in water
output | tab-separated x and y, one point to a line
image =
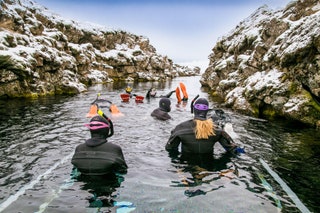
101	164
152	93
129	90
97	156
199	134
161	112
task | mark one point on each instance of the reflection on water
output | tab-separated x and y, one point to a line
38	137
202	169
101	188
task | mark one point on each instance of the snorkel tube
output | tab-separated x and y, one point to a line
112	107
100	112
192	102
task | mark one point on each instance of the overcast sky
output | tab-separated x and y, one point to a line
184	30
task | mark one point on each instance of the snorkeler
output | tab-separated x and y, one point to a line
152	93
161	112
97	156
199	135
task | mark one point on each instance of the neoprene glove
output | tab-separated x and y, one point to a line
240	150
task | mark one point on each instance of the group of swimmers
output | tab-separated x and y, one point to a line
197	136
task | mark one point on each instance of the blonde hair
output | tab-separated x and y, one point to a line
204	129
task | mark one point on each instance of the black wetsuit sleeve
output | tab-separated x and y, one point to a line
169	94
121	163
148	94
173	142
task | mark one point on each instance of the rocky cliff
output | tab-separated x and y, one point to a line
269	65
42	53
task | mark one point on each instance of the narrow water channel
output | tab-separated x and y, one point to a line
38	137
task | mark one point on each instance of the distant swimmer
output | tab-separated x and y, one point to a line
152	93
129	90
161	112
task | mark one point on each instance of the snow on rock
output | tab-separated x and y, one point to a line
268	65
42	53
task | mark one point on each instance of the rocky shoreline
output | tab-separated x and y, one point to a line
268	66
43	53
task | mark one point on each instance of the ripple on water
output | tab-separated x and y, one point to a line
38	135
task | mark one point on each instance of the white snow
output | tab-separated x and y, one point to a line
259	80
27	49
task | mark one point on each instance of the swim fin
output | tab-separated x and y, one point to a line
93	111
178	95
114	109
184	91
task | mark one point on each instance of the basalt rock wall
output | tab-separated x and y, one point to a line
269	64
42	53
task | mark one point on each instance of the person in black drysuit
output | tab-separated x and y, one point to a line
152	93
97	156
198	136
161	112
100	163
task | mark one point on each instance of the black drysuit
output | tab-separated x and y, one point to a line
184	134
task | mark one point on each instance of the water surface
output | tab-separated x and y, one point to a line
38	137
